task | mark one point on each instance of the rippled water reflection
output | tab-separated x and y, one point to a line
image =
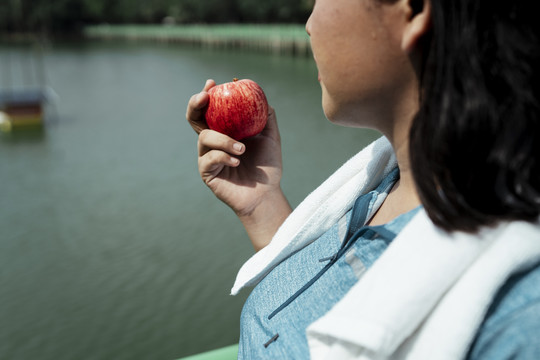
111	247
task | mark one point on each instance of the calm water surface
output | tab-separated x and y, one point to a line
111	247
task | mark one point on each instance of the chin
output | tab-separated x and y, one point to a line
330	109
355	115
336	114
336	111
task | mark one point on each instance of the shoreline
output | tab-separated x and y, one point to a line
288	39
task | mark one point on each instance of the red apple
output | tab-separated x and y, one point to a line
238	109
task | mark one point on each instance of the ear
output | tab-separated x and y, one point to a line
418	23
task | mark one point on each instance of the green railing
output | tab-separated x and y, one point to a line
290	38
225	353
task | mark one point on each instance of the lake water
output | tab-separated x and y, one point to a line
111	247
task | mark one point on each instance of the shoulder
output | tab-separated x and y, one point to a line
511	328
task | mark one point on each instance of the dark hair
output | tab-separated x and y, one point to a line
475	142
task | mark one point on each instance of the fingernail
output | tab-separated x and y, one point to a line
234	161
238	147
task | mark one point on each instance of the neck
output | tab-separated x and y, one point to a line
397	132
403	197
405	187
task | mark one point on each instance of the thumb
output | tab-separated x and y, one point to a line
271	128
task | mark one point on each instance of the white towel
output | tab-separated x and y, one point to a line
449	330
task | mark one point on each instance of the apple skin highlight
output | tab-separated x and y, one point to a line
238	109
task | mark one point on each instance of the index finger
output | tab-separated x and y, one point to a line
197	106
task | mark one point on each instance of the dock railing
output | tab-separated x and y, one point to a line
225	353
287	38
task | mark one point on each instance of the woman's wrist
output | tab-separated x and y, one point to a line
263	220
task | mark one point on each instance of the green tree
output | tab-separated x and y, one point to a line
71	15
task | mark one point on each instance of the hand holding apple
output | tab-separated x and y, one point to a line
238	109
247	181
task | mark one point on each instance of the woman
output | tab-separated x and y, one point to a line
426	244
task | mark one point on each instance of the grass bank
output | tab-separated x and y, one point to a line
289	39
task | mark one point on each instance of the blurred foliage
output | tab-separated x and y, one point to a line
52	16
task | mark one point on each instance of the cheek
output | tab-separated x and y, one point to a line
344	76
359	68
338	68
